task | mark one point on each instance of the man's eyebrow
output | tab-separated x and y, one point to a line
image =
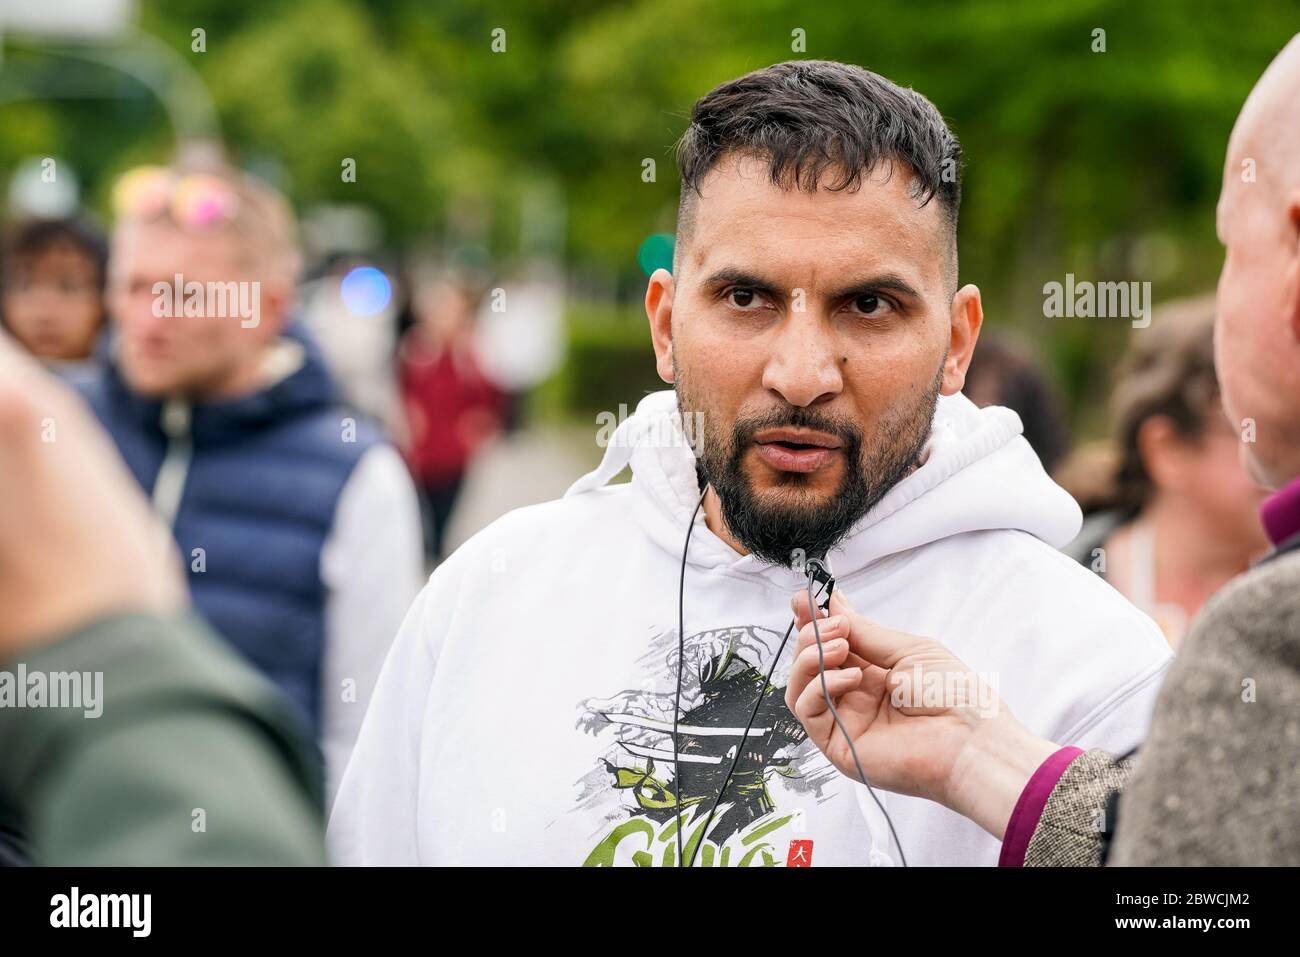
885	282
731	276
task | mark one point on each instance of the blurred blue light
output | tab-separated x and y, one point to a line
366	291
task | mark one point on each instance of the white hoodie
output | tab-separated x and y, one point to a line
524	713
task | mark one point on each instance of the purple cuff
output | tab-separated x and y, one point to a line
1029	808
1280	513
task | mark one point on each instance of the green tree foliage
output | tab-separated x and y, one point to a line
1106	164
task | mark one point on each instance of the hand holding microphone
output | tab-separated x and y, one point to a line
921	721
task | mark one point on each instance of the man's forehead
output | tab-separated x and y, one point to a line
159	239
1265	140
1241	165
742	215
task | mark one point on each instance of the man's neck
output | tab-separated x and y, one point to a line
713	519
273	364
239	383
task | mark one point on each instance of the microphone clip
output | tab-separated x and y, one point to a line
818	570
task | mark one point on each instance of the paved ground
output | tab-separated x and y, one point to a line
531	466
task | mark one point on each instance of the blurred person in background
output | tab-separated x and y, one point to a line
297	524
351	315
1004	373
1179	517
53	288
452	408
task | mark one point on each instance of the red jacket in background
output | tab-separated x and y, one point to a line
451	408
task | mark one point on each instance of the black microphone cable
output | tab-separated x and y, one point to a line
821	669
813	567
681	660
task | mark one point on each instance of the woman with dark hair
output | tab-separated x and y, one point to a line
1179	517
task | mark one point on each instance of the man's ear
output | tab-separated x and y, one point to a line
659	310
965	322
277	300
1161	452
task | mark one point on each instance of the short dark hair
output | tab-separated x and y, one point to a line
811	117
31	238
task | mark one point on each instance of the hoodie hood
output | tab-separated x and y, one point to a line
978	473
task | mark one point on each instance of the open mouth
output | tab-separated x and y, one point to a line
796	445
796	450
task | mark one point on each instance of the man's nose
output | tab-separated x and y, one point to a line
804	366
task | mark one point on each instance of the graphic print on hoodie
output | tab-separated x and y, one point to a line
721	683
489	738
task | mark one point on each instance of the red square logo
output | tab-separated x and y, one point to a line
800	854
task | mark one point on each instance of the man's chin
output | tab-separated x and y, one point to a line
793	489
792	502
150	382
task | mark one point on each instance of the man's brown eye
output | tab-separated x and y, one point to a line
742	297
867	304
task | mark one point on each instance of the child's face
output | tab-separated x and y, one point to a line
52	303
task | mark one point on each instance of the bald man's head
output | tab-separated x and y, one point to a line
1257	332
1268	128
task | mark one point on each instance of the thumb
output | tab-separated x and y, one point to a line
840	604
879	645
870	641
799	605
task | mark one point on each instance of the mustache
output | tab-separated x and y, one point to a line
795	417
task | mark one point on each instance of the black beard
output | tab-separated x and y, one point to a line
782	533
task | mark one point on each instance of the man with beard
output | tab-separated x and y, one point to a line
571	681
1216	784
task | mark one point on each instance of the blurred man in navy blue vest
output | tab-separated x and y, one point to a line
298	524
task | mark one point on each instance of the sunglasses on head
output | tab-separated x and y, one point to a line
193	200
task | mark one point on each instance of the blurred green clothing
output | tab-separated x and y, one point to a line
194	760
